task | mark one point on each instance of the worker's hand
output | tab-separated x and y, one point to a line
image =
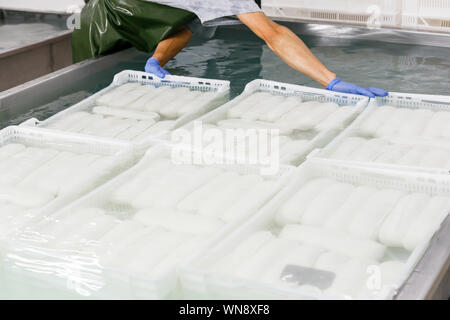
153	66
346	87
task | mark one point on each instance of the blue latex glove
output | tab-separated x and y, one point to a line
153	66
346	87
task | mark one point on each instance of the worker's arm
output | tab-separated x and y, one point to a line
296	54
166	50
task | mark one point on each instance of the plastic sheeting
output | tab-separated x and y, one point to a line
108	26
211	9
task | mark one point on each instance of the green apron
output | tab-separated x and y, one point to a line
109	26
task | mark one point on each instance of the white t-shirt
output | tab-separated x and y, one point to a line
212	9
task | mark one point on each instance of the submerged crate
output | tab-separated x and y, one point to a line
74	254
121	112
367	12
417	139
272	257
33	181
293	144
428	15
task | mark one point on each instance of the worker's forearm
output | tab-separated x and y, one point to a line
296	54
168	48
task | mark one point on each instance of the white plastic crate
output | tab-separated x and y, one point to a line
428	15
198	281
33	271
316	139
399	100
121	153
219	87
371	13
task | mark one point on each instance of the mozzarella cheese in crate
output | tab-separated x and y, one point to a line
297	121
336	230
156	218
134	112
32	177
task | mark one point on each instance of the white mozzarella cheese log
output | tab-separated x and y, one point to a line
179	254
11	217
122	257
347	147
83	121
243	251
108	127
322	111
401	218
165	96
374	120
117	92
127	114
437	124
176	191
299	118
415	124
46	172
245	104
63	123
426	222
86	125
129	243
293	150
158	128
14	169
413	156
262	107
251	201
274	114
392	153
91	227
184	97
150	93
179	221
390	126
435	157
224	184
337	119
254	265
116	234
369	150
341	218
339	242
135	130
123	126
10	149
85	174
96	124
157	249
124	100
297	255
230	194
199	103
61	227
245	124
328	201
194	201
367	222
146	197
350	277
293	209
330	261
138	183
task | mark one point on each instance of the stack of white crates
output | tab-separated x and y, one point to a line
363	12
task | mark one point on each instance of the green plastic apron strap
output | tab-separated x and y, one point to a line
108	26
